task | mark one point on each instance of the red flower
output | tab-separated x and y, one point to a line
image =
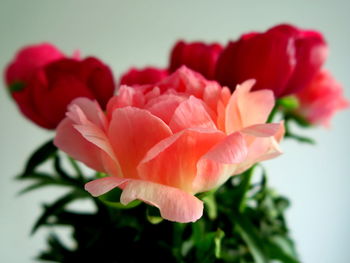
197	56
284	59
28	60
43	86
149	75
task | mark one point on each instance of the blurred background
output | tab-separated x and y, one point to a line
140	33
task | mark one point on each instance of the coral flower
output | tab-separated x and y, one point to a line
164	143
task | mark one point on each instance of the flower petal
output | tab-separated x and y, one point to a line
90	131
262	130
247	108
69	140
217	165
132	133
262	145
173	161
191	114
103	185
164	106
127	96
174	204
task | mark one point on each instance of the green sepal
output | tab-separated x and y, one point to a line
288	103
16	86
219	235
112	199
153	215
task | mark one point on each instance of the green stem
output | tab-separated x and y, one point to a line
76	168
272	113
245	184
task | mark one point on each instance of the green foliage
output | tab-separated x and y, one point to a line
38	157
286	110
242	222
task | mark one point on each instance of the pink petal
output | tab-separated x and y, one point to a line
262	130
185	80
132	133
173	161
127	96
191	114
230	150
211	95
90	131
92	111
103	185
164	106
85	139
217	165
174	204
69	140
246	108
224	98
262	146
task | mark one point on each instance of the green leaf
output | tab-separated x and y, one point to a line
38	157
243	188
35	186
44	179
34	176
205	248
251	237
58	168
198	231
78	182
285	245
299	138
280	249
56	207
57	251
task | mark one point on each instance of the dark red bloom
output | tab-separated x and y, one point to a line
28	60
149	75
197	56
43	91
284	59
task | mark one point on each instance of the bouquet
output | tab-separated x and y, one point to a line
172	158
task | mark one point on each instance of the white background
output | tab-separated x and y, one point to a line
126	33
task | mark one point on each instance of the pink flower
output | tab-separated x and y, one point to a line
164	143
321	99
148	75
198	56
284	59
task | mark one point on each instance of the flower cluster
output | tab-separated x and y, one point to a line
170	133
165	142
